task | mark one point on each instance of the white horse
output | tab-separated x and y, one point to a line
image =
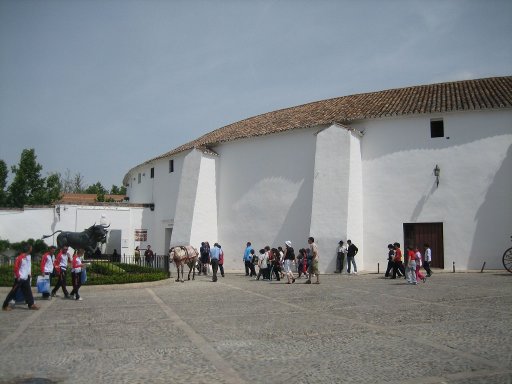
182	255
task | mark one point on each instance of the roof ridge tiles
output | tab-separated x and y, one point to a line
461	95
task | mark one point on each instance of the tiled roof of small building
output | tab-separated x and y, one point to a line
467	95
88	198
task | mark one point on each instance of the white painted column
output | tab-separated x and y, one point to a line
186	199
196	209
331	188
204	223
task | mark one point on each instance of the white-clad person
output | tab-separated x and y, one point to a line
47	266
76	273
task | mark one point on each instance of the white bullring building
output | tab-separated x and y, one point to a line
360	167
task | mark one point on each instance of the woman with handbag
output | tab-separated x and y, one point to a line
47	268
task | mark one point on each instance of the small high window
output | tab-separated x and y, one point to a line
437	128
152	173
139	177
171	166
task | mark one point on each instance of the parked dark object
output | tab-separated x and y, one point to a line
86	240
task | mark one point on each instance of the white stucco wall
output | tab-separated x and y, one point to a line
33	223
264	193
204	222
473	197
332	216
162	191
355	219
264	189
183	220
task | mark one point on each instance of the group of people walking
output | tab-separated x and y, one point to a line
51	265
411	268
279	262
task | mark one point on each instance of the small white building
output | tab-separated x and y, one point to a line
126	223
358	167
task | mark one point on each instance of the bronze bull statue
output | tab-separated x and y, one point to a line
86	240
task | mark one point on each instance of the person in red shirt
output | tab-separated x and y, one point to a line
47	266
76	273
398	268
410	269
22	275
61	266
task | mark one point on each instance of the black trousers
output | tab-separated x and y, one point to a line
340	260
390	267
221	268
398	267
276	270
215	267
249	268
76	279
263	272
61	283
426	266
24	285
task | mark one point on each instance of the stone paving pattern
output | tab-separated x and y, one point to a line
456	328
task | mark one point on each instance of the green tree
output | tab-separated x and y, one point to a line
115	190
98	190
28	184
4	245
53	189
4	172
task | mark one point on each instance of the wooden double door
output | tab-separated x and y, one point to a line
417	234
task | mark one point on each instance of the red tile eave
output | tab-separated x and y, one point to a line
489	93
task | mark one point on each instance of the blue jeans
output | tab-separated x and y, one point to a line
351	261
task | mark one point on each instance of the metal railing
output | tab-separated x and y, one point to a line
140	264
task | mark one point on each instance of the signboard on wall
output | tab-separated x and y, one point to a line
141	235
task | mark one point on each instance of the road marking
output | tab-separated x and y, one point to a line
24	324
382	329
227	372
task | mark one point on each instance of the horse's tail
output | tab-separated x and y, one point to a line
47	236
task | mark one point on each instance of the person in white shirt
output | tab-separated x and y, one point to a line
427	259
22	275
341	251
262	264
47	266
76	273
61	266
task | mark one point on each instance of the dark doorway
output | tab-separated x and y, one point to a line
430	233
167	239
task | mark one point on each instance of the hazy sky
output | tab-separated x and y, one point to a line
98	87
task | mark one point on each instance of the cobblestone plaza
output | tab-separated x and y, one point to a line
455	328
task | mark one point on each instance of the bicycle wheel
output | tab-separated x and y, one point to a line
507	259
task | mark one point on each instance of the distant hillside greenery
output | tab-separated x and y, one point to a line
28	187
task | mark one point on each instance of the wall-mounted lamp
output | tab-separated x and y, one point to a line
152	206
437	172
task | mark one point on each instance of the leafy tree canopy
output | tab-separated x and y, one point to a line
30	188
28	185
4	172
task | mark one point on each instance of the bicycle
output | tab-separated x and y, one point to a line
507	258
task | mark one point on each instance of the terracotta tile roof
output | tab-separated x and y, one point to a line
87	198
468	95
